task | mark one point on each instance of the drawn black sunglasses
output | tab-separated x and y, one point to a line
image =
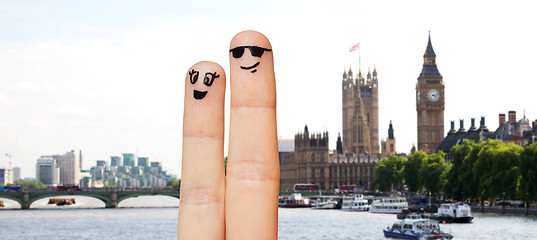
256	51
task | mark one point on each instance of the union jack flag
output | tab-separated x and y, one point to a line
354	48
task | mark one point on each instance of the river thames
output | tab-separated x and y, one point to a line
155	217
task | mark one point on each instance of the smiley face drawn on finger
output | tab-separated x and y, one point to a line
208	80
254	50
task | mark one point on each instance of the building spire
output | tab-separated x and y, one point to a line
390	131
429	51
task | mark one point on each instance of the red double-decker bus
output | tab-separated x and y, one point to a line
348	189
306	187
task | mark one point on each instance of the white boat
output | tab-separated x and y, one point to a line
295	200
355	203
326	202
454	212
416	228
388	205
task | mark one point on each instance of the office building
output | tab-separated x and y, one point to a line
47	172
128	159
16	174
68	164
6	176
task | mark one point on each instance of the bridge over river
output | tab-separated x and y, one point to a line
110	197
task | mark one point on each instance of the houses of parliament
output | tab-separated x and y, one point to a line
309	160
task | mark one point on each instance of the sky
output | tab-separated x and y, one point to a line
107	77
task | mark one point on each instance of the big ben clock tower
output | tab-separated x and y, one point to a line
430	103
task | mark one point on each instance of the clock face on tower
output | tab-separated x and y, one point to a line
433	95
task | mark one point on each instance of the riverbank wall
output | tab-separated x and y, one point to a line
507	210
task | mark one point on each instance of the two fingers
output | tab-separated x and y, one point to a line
243	206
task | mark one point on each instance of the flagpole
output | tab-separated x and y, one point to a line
359	58
352	49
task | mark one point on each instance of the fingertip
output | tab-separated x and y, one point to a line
207	66
205	80
205	86
249	37
252	70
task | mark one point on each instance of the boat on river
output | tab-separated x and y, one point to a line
389	205
326	202
454	212
61	201
295	200
416	228
355	203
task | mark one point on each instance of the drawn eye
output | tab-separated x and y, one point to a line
257	51
237	52
209	78
193	76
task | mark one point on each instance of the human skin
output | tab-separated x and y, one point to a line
243	204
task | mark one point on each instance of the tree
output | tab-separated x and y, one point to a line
457	177
481	169
175	183
469	175
504	174
433	172
389	172
496	169
37	185
527	178
170	182
412	169
30	185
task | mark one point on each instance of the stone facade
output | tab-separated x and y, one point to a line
353	162
360	113
388	145
430	103
312	162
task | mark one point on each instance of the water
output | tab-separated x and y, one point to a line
137	218
155	217
336	224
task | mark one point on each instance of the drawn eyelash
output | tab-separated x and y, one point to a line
209	78
193	76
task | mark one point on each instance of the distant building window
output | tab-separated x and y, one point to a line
313	157
354	137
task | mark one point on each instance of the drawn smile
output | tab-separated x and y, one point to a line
250	67
199	95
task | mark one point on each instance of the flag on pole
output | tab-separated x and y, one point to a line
354	48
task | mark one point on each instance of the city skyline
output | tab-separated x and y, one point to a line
82	76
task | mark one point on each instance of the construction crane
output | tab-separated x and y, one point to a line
9	156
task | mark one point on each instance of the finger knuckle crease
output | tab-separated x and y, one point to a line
200	196
251	170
